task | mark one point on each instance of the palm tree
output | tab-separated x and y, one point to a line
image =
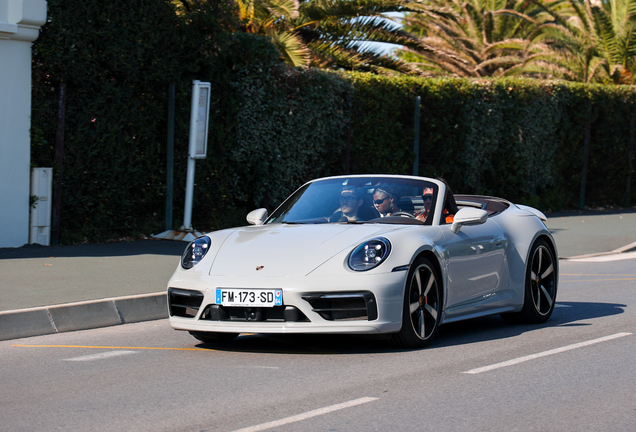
333	34
336	34
271	18
586	41
267	18
339	33
471	38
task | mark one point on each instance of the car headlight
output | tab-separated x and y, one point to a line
369	254
195	252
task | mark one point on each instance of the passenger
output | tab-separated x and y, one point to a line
427	197
448	217
350	201
385	200
450	206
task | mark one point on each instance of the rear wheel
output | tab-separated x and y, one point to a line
540	288
214	337
422	306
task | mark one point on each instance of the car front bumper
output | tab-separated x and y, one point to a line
384	291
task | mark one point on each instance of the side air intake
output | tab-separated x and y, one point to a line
184	303
340	306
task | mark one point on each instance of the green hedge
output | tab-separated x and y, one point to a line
116	59
273	128
520	139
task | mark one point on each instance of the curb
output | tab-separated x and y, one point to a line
86	315
627	248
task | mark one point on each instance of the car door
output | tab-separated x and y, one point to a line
475	260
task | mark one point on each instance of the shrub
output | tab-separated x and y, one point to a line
273	128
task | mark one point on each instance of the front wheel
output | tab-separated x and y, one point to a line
422	306
540	287
214	337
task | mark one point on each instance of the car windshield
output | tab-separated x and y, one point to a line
360	200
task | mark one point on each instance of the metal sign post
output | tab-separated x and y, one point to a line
197	149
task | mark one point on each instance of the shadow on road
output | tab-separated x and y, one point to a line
493	327
461	333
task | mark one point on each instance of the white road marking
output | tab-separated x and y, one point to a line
259	367
545	353
307	415
101	356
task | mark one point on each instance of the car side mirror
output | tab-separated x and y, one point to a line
257	217
468	216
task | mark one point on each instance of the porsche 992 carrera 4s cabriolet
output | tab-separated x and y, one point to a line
368	254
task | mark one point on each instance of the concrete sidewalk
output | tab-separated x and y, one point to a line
46	290
52	289
592	233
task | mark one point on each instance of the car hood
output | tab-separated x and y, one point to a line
288	250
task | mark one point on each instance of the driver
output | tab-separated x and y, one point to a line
385	200
350	202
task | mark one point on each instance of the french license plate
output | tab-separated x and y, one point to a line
243	297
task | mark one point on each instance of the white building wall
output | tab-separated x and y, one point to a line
20	21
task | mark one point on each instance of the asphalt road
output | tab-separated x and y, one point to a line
575	373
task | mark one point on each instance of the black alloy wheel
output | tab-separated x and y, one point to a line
540	287
541	281
422	306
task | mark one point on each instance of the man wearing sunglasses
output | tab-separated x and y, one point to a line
350	202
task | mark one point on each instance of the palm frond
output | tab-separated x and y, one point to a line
605	35
282	8
292	49
319	10
469	41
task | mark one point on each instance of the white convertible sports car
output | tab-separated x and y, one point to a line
372	254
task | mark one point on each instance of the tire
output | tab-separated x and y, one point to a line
214	337
422	307
540	287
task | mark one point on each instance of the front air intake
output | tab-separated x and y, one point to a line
341	306
260	314
184	303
